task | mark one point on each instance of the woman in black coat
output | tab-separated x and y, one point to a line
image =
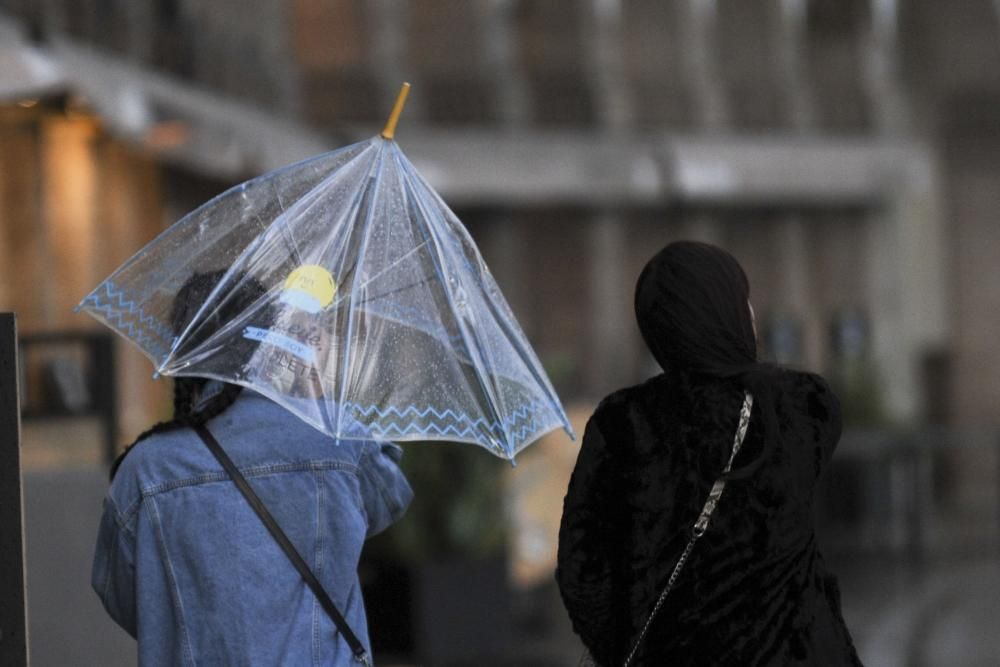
754	590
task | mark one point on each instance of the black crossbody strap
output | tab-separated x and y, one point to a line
360	654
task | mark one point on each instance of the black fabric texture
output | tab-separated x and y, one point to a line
755	590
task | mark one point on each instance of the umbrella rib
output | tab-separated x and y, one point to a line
529	359
309	196
282	221
383	295
514	333
286	233
160	361
381	273
469	332
374	178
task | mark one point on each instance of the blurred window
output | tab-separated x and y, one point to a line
79	19
70	375
747	45
460	100
552	56
654	57
332	45
554	306
444	41
168	11
112	28
835	31
173	39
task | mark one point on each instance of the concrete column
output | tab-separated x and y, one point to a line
791	63
500	59
700	33
70	196
881	68
286	75
388	55
612	348
906	256
606	66
906	243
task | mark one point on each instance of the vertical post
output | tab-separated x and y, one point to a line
500	50
611	352
793	67
13	609
701	36
387	35
922	494
603	31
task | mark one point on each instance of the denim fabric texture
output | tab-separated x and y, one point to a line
186	567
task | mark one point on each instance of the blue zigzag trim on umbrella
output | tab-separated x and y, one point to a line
391	421
138	323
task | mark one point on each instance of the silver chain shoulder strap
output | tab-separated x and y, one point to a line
701	525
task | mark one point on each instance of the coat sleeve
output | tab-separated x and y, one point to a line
824	411
384	489
590	537
113	573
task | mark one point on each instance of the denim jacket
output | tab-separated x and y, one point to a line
188	569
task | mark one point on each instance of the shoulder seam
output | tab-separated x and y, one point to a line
255	471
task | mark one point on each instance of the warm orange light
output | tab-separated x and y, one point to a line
78	106
27	104
71	202
167	134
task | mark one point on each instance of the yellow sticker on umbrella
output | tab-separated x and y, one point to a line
310	288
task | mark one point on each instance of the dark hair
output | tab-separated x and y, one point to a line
692	307
189	408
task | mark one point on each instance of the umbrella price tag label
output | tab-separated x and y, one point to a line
310	288
282	341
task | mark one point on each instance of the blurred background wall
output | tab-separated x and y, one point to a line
847	151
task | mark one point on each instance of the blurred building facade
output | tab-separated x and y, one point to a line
845	150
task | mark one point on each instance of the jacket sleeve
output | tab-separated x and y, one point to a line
825	413
590	536
113	573
384	489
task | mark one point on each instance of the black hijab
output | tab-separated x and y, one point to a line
692	306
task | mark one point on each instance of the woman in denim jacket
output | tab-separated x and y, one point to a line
185	566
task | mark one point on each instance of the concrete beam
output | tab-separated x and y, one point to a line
523	166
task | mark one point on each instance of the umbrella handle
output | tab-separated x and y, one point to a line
390	127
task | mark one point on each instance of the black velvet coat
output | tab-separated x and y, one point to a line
755	590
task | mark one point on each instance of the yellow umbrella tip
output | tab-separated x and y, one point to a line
390	127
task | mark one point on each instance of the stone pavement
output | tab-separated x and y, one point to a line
67	626
945	612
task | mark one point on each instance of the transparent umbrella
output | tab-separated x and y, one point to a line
345	289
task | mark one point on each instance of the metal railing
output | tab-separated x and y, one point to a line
890	491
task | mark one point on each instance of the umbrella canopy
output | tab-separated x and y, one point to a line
345	289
